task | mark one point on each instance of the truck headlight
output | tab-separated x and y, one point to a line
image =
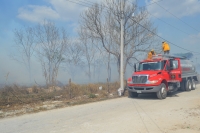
129	82
152	81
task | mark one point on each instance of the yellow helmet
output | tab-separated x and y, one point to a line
152	50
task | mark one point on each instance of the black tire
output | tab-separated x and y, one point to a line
188	86
182	86
162	93
132	94
193	84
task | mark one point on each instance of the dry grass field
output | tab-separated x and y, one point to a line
17	100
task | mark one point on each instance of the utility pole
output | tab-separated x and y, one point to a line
122	48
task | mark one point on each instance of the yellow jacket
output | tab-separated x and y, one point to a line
165	46
150	55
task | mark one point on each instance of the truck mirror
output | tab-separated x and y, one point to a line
135	67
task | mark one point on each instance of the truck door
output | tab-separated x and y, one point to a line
166	71
175	70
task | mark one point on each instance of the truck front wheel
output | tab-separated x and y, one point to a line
132	94
162	93
188	86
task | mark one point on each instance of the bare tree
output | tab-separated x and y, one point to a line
52	44
74	53
74	57
24	44
103	23
89	49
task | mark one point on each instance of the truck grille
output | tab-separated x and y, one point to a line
140	79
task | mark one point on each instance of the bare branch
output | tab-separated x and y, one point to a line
103	24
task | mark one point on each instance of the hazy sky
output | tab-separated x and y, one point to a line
182	15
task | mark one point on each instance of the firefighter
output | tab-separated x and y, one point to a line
165	47
151	53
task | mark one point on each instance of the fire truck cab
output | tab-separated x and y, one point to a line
162	74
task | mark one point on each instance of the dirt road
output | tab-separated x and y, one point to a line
179	113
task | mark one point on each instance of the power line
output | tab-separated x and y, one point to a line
176	17
165	21
78	3
148	4
137	23
85	2
169	24
164	39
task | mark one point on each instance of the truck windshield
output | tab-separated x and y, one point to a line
151	66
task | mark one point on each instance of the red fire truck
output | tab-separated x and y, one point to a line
162	74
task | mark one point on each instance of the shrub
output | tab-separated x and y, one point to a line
92	96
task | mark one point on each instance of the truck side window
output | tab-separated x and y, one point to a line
175	64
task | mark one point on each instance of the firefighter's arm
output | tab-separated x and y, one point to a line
163	46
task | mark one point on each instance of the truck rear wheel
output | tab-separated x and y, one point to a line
182	86
132	94
193	84
162	93
188	86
